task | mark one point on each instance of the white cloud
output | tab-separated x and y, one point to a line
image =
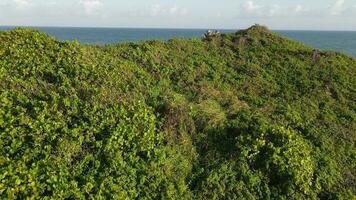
338	7
21	3
298	8
251	9
274	10
91	7
156	10
174	10
52	3
251	6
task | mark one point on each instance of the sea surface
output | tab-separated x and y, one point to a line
343	41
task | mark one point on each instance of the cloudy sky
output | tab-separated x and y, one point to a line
277	14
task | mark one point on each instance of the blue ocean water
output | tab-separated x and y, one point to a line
344	41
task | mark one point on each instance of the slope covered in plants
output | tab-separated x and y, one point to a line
248	115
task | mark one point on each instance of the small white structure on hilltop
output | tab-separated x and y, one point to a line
210	34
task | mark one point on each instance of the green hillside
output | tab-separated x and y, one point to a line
248	115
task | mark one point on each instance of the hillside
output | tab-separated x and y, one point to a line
248	115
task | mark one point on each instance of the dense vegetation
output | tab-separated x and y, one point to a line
248	115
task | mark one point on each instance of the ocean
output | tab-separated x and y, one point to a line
343	41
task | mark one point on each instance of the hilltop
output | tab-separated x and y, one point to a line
247	115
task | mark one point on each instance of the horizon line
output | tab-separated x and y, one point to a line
166	28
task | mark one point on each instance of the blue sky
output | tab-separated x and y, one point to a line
276	14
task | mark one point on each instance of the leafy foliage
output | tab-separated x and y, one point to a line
248	115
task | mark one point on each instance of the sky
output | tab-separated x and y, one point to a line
218	14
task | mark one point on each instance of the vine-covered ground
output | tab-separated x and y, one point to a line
249	115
